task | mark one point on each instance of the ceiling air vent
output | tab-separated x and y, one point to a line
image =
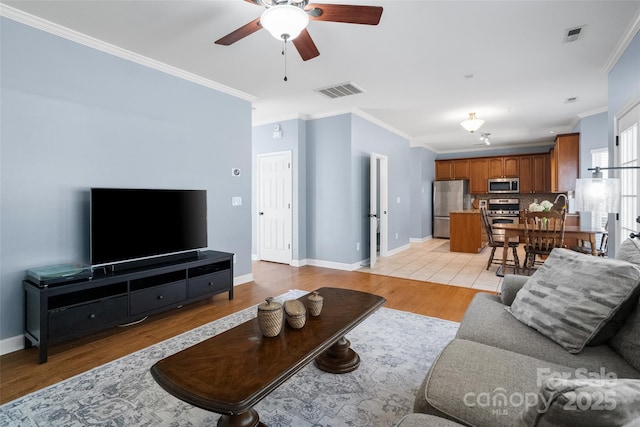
340	90
573	34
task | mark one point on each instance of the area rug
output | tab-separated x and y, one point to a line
396	349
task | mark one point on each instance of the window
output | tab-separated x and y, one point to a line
600	158
628	156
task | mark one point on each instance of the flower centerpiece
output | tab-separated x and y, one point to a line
543	206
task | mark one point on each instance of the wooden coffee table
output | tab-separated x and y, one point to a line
231	372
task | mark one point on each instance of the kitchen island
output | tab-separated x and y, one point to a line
466	231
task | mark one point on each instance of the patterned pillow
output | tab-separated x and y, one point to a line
571	297
582	402
629	251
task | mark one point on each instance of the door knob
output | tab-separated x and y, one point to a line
260	213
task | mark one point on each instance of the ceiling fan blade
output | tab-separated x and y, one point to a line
305	45
350	14
240	33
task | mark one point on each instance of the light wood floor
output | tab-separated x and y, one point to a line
21	374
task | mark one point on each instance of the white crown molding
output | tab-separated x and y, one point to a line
484	148
325	115
83	39
623	43
593	112
382	124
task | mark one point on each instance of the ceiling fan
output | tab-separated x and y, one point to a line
299	13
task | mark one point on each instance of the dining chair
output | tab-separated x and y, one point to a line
497	241
543	232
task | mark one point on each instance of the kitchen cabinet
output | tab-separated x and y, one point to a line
467	233
565	162
534	173
504	167
452	169
478	175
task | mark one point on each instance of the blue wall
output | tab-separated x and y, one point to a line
333	185
624	90
422	176
293	140
329	189
593	135
74	118
368	138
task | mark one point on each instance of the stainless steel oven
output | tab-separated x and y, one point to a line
503	211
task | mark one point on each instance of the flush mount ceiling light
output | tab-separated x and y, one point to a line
284	21
472	124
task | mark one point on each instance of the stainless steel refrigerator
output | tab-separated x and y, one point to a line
448	196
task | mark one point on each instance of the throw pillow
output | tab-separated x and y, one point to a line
629	251
572	296
594	403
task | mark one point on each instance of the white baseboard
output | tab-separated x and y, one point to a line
9	345
333	265
298	262
398	250
420	239
255	257
242	279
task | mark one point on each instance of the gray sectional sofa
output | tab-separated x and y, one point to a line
499	371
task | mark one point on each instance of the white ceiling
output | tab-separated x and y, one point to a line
414	66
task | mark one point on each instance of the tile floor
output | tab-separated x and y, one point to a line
431	261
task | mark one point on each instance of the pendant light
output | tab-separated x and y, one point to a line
472	124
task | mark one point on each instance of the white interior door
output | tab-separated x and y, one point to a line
274	207
378	207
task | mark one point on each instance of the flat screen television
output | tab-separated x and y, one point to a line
130	224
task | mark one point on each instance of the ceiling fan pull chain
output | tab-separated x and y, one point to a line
284	53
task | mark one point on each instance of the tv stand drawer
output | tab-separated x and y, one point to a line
69	321
157	297
209	284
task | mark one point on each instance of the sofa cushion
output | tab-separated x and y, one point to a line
596	403
511	285
571	297
482	385
629	251
487	322
627	341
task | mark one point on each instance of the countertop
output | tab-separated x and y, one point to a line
466	211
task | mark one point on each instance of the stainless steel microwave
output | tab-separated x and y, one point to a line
504	185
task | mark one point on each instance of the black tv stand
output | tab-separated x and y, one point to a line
145	263
110	298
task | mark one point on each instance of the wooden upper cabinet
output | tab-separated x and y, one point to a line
540	175
461	169
565	162
452	169
479	173
444	169
534	173
511	166
504	167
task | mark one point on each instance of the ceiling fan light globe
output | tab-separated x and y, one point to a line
284	21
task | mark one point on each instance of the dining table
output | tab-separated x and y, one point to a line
585	233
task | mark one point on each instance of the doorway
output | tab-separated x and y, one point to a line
275	216
378	207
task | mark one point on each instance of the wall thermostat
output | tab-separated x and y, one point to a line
235	171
